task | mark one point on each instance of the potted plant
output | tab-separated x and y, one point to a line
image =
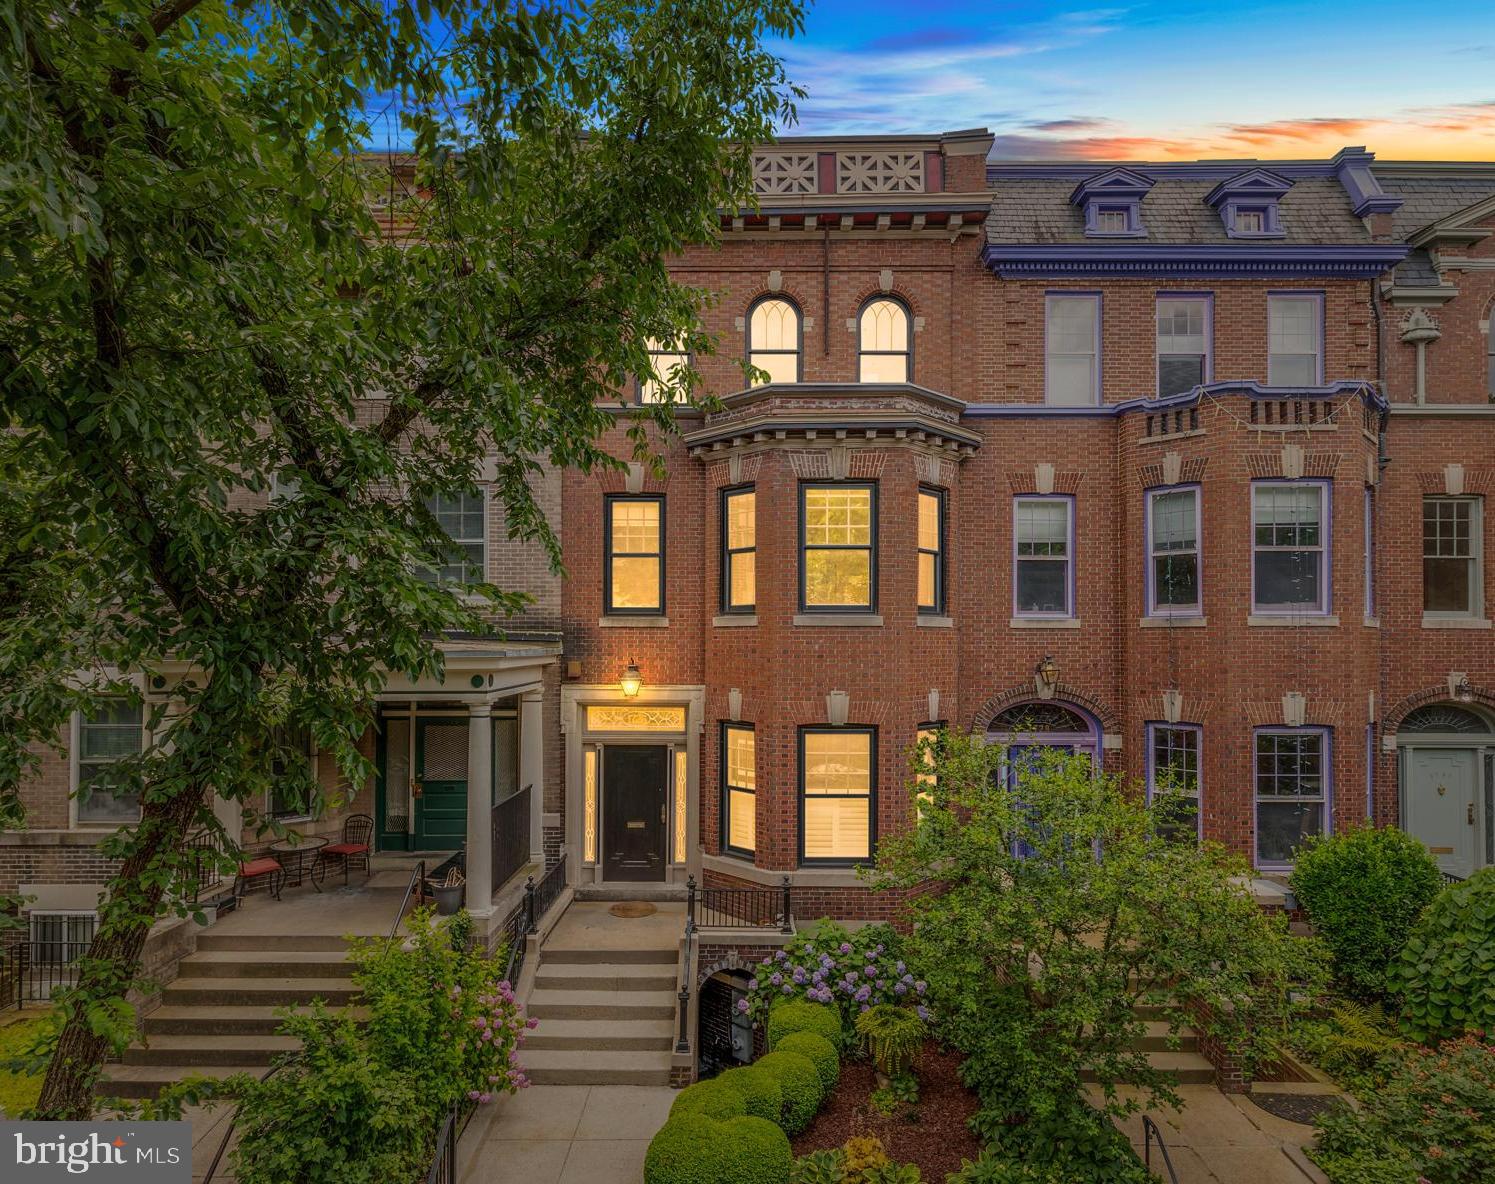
449	892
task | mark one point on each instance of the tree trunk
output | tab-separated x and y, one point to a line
113	959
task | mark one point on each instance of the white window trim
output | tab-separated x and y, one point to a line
75	745
1476	608
1317	299
461	588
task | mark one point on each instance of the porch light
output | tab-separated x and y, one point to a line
1047	671
632	680
1464	691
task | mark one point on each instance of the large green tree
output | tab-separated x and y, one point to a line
196	294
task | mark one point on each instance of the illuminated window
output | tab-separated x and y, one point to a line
739	550
1173	545
682	786
773	339
465	558
635	718
926	740
589	805
1043	577
666	385
739	789
885	347
1173	773
634	561
836	783
931	551
838	558
115	730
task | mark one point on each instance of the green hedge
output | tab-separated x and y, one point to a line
693	1149
819	1051
802	1016
713	1098
760	1091
800	1082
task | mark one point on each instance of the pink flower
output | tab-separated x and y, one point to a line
531	1023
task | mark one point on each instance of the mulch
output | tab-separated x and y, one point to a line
932	1134
1302	1108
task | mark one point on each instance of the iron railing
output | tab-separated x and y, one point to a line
739	908
32	969
546	893
1150	1131
228	1131
444	1160
515	930
510	829
1451	877
416	885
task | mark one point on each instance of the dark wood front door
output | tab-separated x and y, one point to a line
635	778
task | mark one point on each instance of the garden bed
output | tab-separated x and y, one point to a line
931	1133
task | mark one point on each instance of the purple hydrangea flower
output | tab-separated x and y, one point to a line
900	988
846	947
862	994
775	979
920	986
922	1011
742	1006
799	974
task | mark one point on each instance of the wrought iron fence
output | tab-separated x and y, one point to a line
739	908
546	892
33	967
510	822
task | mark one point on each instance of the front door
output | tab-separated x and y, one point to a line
1441	810
440	784
635	783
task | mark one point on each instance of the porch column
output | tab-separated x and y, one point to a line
479	809
532	767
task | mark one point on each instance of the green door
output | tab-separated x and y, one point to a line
441	781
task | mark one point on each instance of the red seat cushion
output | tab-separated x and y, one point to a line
346	849
259	867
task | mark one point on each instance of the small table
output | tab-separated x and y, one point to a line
294	858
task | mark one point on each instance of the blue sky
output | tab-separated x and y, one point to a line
1160	81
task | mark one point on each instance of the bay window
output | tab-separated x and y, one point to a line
1173	778
1043	556
931	551
1173	552
739	524
838	550
739	789
1290	550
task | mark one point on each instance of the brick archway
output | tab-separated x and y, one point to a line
1024	693
1391	722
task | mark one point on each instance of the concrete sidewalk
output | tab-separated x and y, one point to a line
564	1134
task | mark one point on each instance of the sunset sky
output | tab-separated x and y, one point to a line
1180	80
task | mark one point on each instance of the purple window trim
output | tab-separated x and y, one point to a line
1370	550
1209	333
1097	384
1153	609
1326	539
1070	587
1326	762
1130	206
1151	780
1302	293
1271	219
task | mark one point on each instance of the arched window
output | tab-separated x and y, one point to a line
1028	718
884	347
664	359
1445	718
773	339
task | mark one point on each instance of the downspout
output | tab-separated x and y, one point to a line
1378	508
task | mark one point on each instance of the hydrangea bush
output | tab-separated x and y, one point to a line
826	963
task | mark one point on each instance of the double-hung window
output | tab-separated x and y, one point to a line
926	777
1043	564
464	560
1292	791
633	566
1451	557
668	365
1173	552
773	339
739	550
292	767
739	788
838	550
1072	350
1290	555
1173	778
1183	349
1370	552
837	779
884	344
931	578
1295	340
115	729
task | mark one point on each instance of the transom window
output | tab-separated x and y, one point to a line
634	561
1291	791
739	550
668	363
1173	543
1451	556
1072	350
740	785
1183	326
1289	553
1042	582
1294	340
1173	776
885	346
462	518
838	555
113	731
774	339
931	551
836	787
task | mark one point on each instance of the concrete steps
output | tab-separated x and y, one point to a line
602	1035
265	943
255	1049
283	964
186	1020
1189	1068
618	1006
146	1081
257	992
605	976
593	1067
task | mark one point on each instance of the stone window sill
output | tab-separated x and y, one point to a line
633	622
930	621
863	619
1165	622
1429	622
734	620
817	877
1044	623
1272	621
1372	622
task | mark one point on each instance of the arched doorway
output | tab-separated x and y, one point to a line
1044	724
1446	764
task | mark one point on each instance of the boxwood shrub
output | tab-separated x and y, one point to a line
819	1051
761	1092
693	1149
801	1016
1446	973
714	1098
800	1082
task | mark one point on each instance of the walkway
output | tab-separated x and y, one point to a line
564	1134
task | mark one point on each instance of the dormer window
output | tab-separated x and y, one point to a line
1248	204
1250	221
1112	220
1112	203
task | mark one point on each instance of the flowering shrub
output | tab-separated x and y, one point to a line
826	963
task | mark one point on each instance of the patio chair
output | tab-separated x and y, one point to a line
265	867
358	836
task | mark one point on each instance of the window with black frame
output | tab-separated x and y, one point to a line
931	575
633	560
838	554
739	523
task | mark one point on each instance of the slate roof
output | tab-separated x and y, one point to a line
1427	199
1315	211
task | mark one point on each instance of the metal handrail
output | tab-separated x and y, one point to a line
417	884
1150	1131
228	1132
445	1156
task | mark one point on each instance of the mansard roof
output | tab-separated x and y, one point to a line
1436	196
